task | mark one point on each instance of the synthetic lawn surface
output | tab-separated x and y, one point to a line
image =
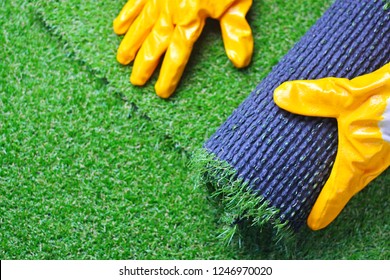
94	168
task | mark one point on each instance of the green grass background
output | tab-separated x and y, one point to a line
94	168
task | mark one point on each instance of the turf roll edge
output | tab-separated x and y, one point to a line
268	165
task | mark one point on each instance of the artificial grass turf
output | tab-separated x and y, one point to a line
80	179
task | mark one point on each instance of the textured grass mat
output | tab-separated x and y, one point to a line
84	174
78	177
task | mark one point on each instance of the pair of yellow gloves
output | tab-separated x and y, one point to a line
361	106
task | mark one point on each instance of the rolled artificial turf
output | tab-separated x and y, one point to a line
283	160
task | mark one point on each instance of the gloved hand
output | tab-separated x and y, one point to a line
154	27
362	109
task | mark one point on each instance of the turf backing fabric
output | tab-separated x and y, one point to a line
284	158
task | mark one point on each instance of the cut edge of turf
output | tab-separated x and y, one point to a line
239	203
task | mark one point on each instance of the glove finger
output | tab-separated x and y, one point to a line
357	164
237	34
238	40
127	15
335	194
152	49
330	97
137	33
321	98
176	58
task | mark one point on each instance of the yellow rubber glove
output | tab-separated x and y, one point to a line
362	109
155	27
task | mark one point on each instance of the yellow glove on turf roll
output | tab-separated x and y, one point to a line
154	27
362	109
